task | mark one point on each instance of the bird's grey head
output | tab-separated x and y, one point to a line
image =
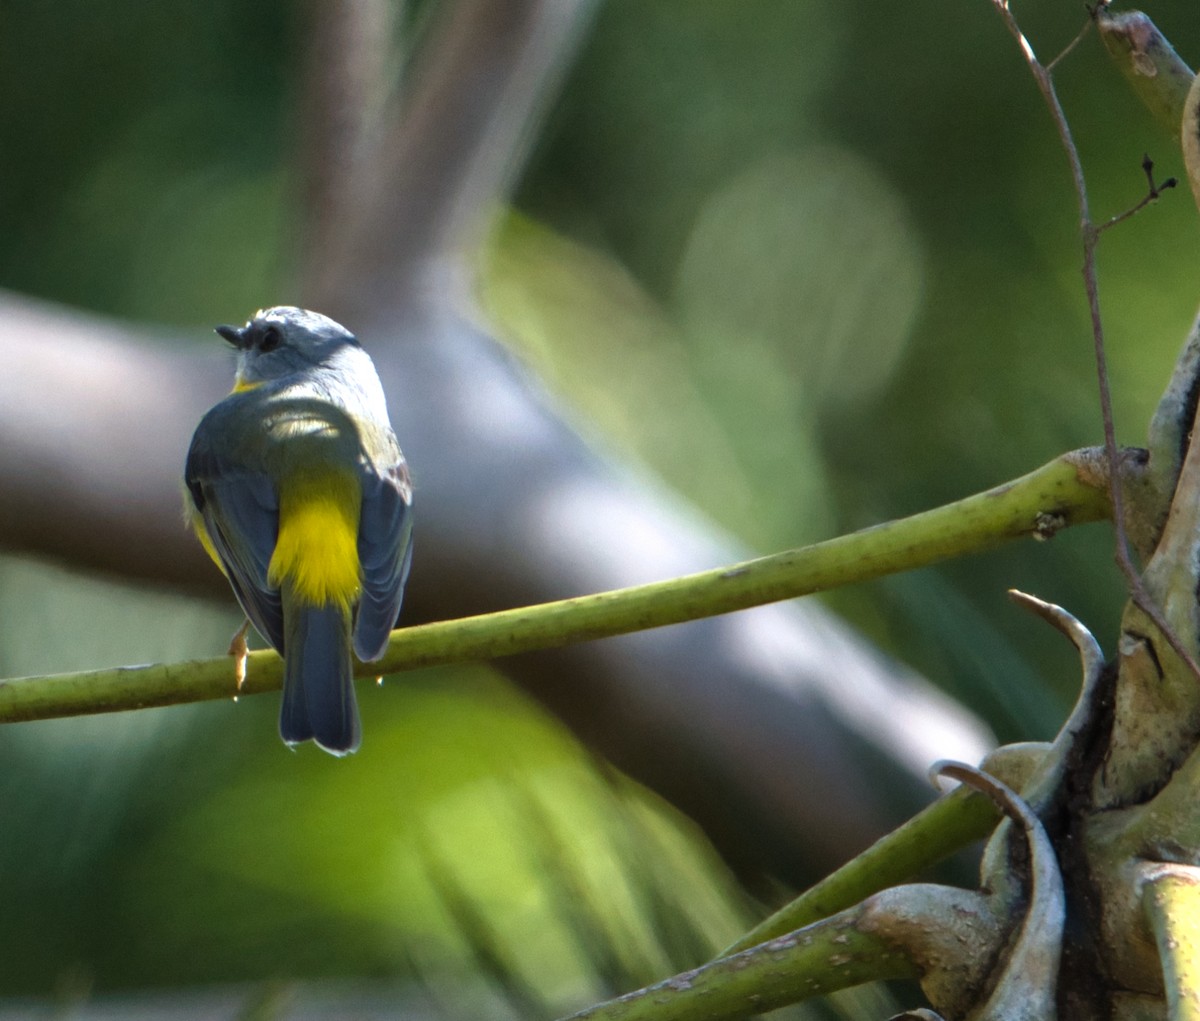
280	341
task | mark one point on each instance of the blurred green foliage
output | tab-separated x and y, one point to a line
813	263
837	244
186	846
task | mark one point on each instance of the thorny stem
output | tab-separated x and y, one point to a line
1090	235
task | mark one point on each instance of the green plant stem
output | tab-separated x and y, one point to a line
948	825
1068	491
822	959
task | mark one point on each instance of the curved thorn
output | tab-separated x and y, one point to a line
1089	649
1026	987
1045	781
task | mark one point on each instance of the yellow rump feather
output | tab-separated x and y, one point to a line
316	553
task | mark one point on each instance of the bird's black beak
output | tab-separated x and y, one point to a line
236	335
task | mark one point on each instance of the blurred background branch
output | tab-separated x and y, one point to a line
790	310
516	507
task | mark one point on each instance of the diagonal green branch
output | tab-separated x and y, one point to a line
945	936
831	955
1070	490
948	825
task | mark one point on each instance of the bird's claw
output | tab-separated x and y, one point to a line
240	652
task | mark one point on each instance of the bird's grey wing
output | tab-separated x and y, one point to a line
240	510
385	553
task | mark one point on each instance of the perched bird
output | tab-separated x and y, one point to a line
298	490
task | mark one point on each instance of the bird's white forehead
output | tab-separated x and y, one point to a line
299	322
292	314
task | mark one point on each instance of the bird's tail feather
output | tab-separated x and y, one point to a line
318	684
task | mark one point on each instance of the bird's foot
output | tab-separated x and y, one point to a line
240	651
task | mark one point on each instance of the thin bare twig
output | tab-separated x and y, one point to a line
1090	235
1153	193
1066	52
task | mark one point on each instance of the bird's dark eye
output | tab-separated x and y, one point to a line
271	336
